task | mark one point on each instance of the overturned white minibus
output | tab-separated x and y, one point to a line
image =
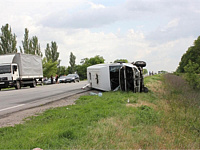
123	76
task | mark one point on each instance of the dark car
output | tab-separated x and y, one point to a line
72	78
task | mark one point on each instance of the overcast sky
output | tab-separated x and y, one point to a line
156	31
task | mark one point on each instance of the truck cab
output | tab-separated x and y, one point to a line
8	74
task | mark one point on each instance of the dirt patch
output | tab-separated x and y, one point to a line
158	130
19	117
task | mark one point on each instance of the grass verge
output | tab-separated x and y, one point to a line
154	120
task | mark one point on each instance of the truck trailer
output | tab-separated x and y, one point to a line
112	77
20	70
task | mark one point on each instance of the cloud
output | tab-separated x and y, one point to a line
155	31
164	20
131	45
173	23
170	20
175	29
93	17
84	43
96	6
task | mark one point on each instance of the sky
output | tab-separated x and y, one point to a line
158	32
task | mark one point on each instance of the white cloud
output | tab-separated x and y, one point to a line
158	32
84	43
173	23
83	18
132	46
96	6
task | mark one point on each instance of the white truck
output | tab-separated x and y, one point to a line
20	70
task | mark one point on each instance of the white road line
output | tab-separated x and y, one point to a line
12	107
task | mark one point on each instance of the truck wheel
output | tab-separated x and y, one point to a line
17	86
33	84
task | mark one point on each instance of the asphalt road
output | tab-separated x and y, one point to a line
15	100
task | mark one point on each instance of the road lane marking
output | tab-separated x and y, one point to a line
12	107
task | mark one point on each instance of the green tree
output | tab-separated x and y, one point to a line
49	68
193	54
35	48
25	43
52	53
192	69
8	41
96	60
72	63
121	60
48	52
86	62
145	71
62	70
30	46
190	64
82	71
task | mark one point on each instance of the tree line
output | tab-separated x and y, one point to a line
190	64
51	62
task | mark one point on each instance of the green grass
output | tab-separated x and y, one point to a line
109	122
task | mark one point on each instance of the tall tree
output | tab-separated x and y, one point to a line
52	53
8	41
30	46
48	52
25	43
35	46
72	62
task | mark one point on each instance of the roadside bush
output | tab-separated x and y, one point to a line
192	69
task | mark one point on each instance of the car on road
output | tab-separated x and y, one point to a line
48	81
72	78
62	79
